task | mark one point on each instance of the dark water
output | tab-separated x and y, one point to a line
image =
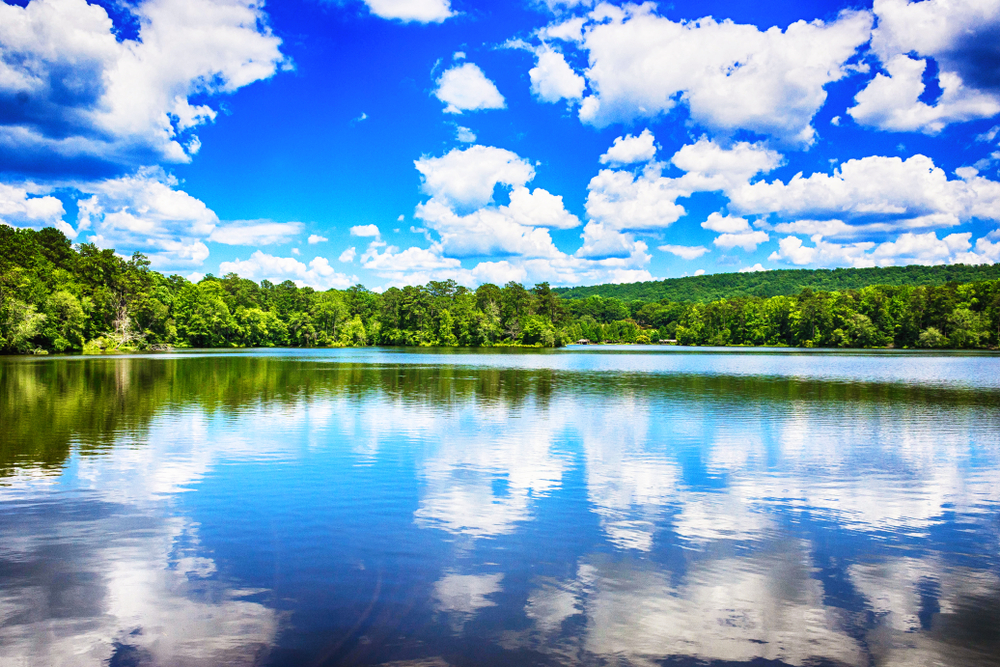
602	506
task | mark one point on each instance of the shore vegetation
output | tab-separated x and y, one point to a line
61	298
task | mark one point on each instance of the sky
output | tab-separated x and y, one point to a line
577	142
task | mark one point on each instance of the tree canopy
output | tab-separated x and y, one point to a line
57	297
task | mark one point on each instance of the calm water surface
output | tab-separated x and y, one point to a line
592	506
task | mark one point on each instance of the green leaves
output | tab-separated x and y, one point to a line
61	298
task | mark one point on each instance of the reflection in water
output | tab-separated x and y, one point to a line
368	507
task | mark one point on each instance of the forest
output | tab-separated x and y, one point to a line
784	282
65	298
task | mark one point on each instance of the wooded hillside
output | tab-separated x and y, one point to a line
783	282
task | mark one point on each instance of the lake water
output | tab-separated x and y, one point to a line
597	505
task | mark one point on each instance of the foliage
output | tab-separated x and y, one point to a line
786	282
60	298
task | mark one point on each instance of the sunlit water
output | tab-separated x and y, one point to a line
623	506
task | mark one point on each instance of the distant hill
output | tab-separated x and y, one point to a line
783	282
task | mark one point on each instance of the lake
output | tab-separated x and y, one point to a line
590	505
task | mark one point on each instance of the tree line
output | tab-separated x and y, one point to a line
784	282
57	297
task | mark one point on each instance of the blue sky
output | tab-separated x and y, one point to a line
392	142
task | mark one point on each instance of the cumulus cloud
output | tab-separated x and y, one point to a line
416	266
711	166
75	95
730	76
516	229
907	248
417	11
512	240
146	212
747	240
493	231
365	230
620	201
731	224
629	149
256	232
262	266
552	79
961	36
734	232
316	238
466	88
684	251
753	269
892	102
570	30
19	209
466	177
882	193
623	201
348	255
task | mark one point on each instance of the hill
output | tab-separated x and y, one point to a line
782	282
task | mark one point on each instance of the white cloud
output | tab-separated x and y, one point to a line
699	272
825	228
711	167
145	212
411	259
489	231
792	250
684	251
570	30
895	193
623	201
94	97
19	209
730	76
513	240
734	232
892	102
255	232
753	269
726	224
316	238
907	248
365	230
961	35
746	240
620	201
318	274
910	248
560	6
417	11
989	135
539	208
552	79
466	88
465	135
601	241
466	178
348	255
629	149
